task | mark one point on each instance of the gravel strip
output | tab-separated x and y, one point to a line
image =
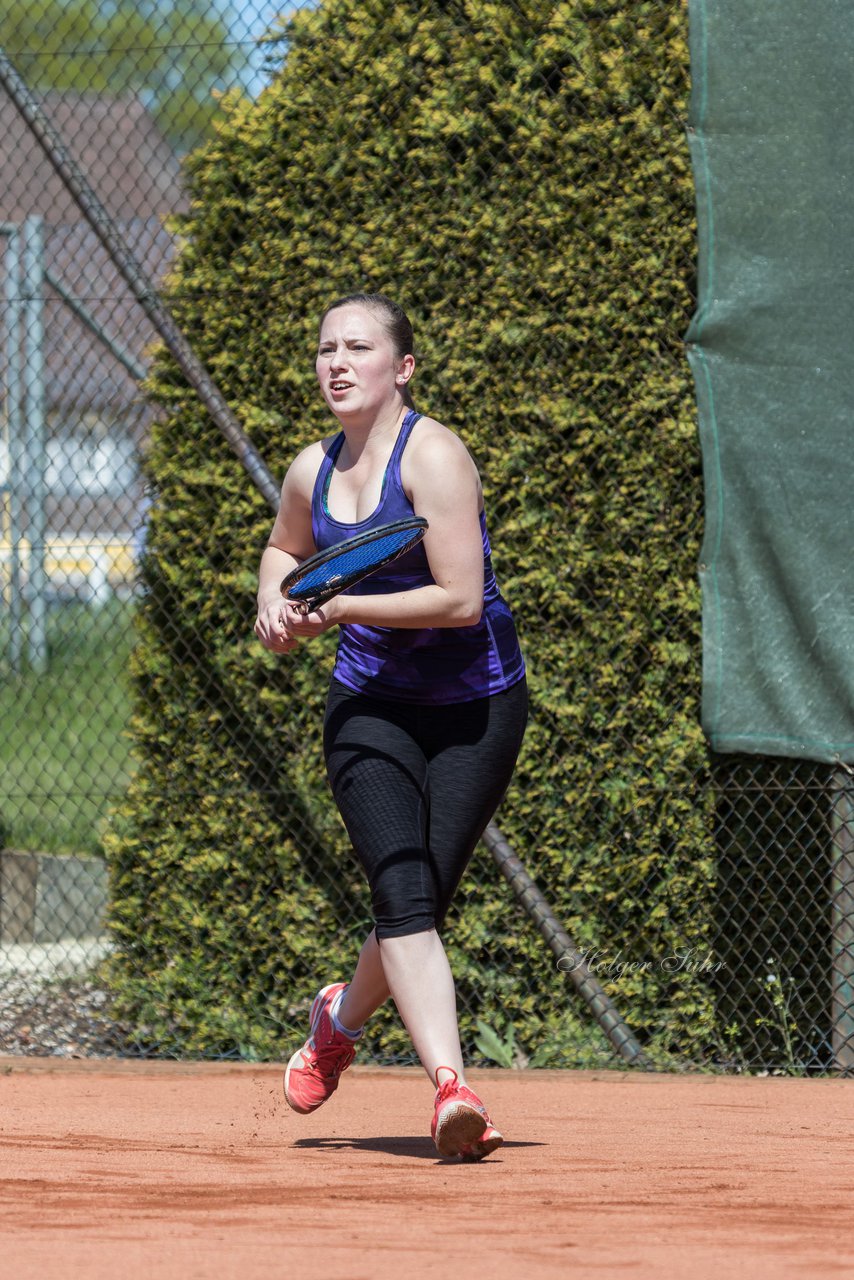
53	1005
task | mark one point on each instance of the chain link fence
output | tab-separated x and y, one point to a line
131	90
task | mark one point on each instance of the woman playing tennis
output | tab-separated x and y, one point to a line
427	705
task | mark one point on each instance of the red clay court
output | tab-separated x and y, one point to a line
183	1171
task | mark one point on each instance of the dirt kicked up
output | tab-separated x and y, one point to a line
171	1171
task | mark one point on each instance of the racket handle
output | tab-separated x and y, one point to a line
586	984
304	607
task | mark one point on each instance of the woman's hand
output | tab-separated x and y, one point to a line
306	625
272	630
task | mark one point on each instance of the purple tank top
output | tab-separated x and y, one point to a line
434	664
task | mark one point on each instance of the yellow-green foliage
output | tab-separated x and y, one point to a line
516	175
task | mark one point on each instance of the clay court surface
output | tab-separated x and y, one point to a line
171	1171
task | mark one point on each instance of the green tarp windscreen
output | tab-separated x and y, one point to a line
772	353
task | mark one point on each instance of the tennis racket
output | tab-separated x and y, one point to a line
325	574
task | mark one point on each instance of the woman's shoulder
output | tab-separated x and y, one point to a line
302	472
434	438
436	455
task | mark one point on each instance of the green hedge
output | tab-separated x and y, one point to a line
516	175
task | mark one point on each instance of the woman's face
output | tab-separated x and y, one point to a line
357	367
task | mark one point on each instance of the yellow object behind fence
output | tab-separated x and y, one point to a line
82	565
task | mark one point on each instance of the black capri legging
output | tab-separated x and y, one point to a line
416	786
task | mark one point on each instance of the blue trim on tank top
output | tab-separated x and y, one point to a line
331	458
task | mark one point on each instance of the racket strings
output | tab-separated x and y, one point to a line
350	565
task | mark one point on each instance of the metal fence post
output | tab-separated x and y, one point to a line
34	480
14	523
842	918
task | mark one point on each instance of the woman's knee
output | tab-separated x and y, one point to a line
405	920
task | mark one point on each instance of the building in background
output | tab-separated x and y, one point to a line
92	335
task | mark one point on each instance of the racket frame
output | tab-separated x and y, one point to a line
417	525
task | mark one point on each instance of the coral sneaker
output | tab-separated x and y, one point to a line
488	1142
461	1124
313	1073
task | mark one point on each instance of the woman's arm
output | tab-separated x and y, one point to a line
291	541
444	487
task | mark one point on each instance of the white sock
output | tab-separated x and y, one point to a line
339	1026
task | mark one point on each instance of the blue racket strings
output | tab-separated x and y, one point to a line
352	564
